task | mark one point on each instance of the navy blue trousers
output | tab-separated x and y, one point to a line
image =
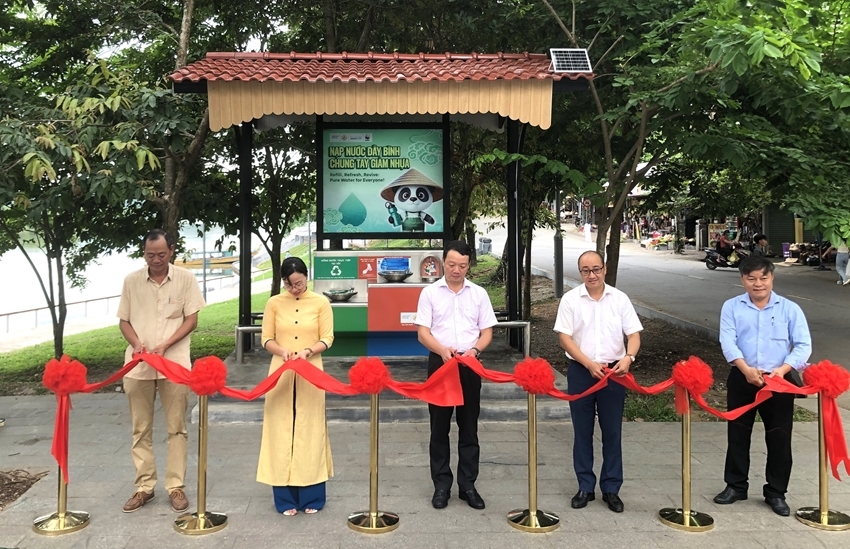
299	497
608	405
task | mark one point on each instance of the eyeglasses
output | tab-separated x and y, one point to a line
596	270
297	285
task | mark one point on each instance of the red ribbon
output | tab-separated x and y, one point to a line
442	388
59	449
835	441
628	381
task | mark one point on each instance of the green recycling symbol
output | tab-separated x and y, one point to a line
336	271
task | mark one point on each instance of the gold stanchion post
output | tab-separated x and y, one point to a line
822	517
373	521
685	518
202	522
62	521
533	519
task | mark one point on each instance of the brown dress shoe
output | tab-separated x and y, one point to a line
137	501
179	501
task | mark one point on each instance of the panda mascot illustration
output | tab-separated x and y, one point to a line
412	193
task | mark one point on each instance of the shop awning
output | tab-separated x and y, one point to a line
248	86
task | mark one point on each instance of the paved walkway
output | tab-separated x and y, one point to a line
102	473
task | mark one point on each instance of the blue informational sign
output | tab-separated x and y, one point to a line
382	181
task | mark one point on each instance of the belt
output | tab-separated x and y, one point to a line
610	364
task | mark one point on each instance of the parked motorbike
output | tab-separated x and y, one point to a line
714	259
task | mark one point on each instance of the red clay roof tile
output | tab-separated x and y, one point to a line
363	67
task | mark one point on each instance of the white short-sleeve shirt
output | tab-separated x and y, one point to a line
598	327
455	319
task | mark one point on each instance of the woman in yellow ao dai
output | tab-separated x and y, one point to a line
295	452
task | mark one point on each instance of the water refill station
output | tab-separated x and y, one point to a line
383	124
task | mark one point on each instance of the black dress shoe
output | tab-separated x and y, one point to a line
441	499
581	498
779	506
614	502
473	498
729	495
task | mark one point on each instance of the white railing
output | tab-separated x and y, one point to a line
28	319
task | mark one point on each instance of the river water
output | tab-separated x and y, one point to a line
22	290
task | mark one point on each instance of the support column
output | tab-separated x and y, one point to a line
245	137
516	135
559	250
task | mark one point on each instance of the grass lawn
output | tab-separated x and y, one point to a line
482	274
102	351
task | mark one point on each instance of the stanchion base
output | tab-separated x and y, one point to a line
831	520
193	524
543	521
692	522
53	525
367	523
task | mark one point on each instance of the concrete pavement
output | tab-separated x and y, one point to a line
101	475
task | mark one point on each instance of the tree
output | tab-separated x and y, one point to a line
542	178
664	71
286	189
55	195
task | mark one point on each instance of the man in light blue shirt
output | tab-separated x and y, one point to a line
761	334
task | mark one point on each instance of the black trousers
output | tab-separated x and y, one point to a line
777	414
466	417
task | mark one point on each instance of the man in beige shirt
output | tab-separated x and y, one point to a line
158	310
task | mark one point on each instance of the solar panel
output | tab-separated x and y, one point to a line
570	60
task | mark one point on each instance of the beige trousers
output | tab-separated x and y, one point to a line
141	394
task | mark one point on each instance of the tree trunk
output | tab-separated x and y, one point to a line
330	26
171	216
612	258
59	326
602	224
363	43
275	258
526	283
185	31
176	174
470	239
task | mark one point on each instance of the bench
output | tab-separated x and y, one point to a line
240	347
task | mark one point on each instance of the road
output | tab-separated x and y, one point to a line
682	286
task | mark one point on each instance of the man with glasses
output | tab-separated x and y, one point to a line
762	334
592	321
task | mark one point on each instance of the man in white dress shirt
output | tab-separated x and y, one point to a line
455	317
592	321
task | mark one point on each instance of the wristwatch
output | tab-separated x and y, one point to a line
477	351
632	357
